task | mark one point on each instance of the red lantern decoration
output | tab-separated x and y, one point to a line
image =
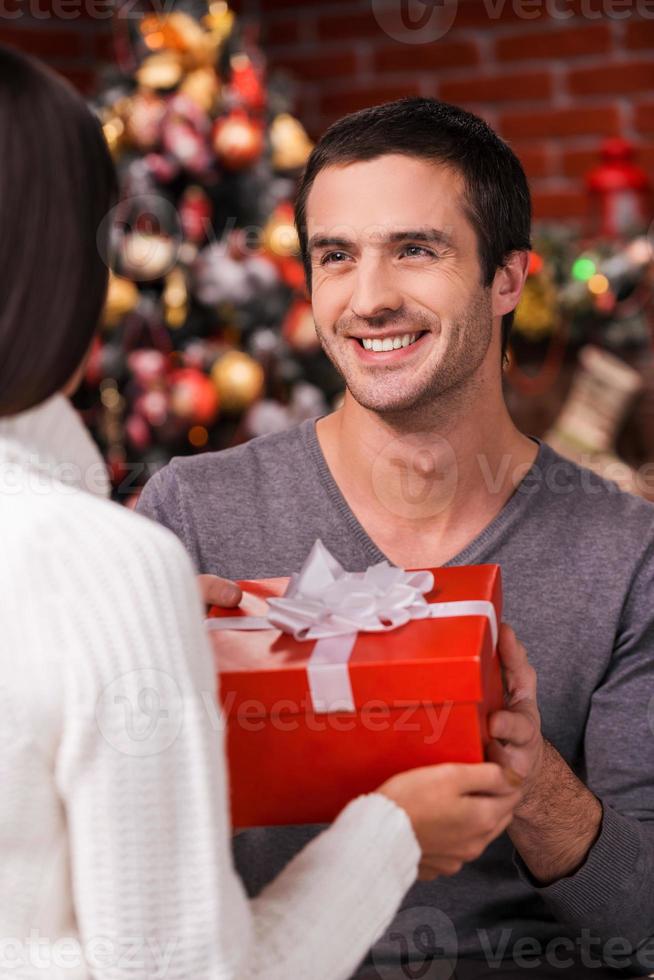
620	192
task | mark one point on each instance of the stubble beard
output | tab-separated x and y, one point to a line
451	379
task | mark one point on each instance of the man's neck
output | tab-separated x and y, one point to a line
424	486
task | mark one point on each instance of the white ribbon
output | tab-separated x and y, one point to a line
325	603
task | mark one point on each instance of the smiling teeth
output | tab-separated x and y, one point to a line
389	343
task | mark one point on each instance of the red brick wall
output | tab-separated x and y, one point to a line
74	36
551	85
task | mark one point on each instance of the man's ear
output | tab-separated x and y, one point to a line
508	282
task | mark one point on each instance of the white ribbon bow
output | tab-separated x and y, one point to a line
324	600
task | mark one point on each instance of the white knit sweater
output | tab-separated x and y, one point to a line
115	856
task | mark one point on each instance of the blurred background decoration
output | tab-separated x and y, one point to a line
211	110
207	337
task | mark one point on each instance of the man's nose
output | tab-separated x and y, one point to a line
375	289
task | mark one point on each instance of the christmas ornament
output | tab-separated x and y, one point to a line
202	86
219	21
246	88
175	298
195	214
193	396
160	71
238	379
145	257
290	144
237	140
122	296
279	235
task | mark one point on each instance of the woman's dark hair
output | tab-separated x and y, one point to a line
57	183
496	200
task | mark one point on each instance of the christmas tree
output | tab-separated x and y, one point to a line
207	336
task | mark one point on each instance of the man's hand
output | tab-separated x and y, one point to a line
517	740
217	591
455	810
558	819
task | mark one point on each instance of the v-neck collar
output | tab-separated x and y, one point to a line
473	551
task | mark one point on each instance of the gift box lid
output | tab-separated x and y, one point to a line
426	660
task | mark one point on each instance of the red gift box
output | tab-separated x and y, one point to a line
421	695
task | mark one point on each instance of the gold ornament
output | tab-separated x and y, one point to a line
238	379
175	298
219	21
146	256
203	87
160	71
279	236
290	143
113	128
122	296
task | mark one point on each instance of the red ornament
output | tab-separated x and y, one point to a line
620	192
195	214
193	396
246	83
237	140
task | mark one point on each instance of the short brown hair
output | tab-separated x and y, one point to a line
57	182
497	201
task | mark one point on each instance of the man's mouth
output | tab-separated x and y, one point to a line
379	344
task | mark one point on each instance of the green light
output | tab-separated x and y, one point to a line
583	268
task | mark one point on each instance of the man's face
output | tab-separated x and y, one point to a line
392	254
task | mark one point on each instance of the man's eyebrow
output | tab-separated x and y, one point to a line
434	235
326	241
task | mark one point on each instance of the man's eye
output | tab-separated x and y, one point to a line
419	248
327	259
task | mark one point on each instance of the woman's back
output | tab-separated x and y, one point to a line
114	827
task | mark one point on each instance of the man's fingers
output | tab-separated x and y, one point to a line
519	675
511	726
217	591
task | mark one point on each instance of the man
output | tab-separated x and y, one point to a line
414	223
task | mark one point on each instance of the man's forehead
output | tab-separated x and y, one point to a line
369	200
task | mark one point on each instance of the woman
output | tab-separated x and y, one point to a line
114	837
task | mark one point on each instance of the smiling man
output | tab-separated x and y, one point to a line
414	223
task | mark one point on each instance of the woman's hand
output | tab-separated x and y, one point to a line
456	810
217	591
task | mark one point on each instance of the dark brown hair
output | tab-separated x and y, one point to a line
496	201
57	183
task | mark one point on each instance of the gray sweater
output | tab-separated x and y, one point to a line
577	558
